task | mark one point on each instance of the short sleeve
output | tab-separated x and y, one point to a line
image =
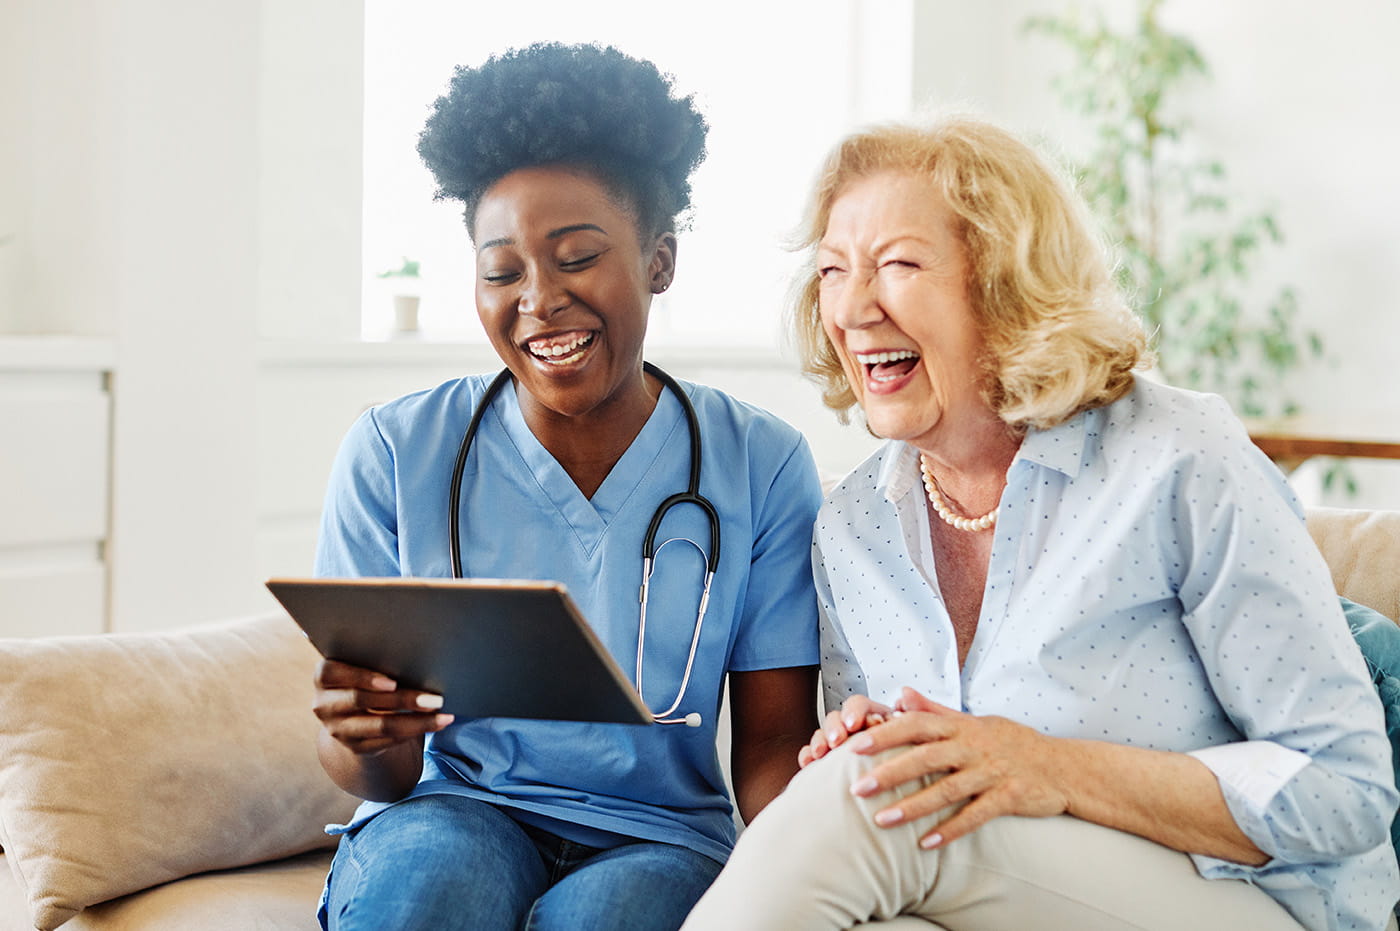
778	623
359	519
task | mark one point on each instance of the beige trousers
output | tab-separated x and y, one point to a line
814	859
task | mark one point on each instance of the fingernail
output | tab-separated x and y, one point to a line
443	720
383	684
850	720
832	736
865	786
861	743
932	841
429	702
889	816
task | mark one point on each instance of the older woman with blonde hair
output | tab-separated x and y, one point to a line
1086	668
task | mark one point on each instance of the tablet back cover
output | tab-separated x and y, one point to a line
490	647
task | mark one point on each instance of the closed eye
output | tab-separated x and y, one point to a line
499	277
576	264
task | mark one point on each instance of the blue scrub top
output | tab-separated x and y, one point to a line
523	517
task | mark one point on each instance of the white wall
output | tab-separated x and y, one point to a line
181	304
310	184
57	176
186	182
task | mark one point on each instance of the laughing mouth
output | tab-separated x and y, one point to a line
888	366
560	350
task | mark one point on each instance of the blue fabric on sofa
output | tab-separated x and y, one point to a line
1379	639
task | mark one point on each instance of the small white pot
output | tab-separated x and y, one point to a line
406	313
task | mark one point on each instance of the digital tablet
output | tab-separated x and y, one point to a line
489	647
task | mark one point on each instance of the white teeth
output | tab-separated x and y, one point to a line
557	351
875	358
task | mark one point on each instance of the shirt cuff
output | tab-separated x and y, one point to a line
1253	771
1250	774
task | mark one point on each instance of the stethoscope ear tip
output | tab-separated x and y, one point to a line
692	719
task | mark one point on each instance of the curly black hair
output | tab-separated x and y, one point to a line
584	106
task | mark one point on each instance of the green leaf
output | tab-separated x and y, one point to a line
1186	250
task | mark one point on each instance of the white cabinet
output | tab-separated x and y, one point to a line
55	439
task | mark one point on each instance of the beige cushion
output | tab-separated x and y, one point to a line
131	760
1362	548
267	897
276	896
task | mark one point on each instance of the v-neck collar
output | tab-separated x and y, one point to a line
590	518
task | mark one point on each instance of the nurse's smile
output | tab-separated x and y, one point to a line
561	350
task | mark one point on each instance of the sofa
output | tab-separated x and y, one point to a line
169	780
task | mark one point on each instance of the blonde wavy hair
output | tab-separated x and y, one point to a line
1060	339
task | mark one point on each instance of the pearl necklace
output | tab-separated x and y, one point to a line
970	524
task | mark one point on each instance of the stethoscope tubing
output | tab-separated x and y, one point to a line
691	495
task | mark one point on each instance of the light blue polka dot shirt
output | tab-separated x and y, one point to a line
1151	583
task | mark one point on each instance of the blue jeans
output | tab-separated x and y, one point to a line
445	861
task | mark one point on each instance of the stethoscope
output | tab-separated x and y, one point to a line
691	495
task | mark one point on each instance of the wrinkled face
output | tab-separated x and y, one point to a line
563	287
894	303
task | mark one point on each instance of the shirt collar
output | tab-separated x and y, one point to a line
899	472
1063	448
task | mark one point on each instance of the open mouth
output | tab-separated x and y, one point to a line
888	366
564	349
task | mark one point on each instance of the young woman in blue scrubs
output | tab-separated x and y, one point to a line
572	163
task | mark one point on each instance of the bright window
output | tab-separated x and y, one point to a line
773	79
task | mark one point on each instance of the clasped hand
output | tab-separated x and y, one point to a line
989	765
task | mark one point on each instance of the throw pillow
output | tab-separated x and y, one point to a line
128	760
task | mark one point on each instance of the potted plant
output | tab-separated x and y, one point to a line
1185	252
405	281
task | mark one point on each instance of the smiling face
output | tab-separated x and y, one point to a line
894	303
563	288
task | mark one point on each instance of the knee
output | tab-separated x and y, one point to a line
433	822
818	802
815	857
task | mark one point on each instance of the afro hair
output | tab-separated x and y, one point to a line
584	106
